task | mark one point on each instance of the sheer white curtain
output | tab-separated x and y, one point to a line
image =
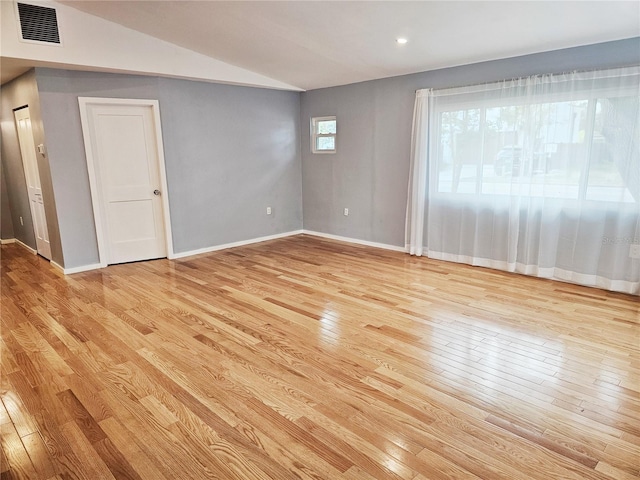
537	175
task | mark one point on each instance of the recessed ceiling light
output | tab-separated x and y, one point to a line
401	40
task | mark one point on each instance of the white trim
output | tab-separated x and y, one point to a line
235	244
57	266
82	268
168	237
7	241
84	103
22	244
552	273
29	154
356	241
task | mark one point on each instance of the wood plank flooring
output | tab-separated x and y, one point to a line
313	359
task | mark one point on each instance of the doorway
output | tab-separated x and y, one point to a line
125	159
32	177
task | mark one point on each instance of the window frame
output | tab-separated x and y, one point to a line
315	134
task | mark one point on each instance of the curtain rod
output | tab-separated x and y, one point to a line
513	79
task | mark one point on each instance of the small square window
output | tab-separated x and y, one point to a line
323	134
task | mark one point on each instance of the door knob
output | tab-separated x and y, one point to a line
156	192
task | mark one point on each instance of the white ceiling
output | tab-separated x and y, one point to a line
314	44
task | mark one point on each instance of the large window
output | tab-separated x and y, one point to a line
538	175
563	144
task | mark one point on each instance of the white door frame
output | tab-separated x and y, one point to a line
94	180
29	156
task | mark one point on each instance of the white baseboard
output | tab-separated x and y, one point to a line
7	241
57	267
234	244
355	240
24	245
96	266
174	256
552	273
82	268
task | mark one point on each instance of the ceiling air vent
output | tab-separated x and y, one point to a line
39	24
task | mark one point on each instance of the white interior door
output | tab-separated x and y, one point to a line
32	176
125	160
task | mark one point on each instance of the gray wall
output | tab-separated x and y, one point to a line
369	173
59	91
229	152
6	221
18	93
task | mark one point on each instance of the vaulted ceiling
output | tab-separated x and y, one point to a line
322	43
314	44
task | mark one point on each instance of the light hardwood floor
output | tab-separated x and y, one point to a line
309	358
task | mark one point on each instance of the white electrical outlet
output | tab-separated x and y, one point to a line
21	222
268	210
634	250
346	212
